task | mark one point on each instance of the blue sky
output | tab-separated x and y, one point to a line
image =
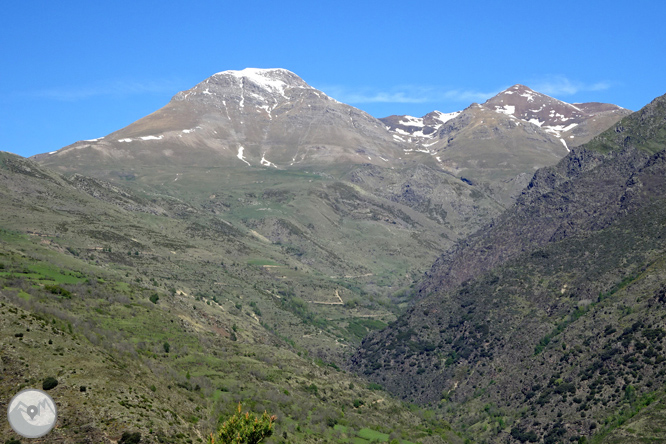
75	70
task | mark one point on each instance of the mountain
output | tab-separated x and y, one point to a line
253	117
580	194
552	317
267	153
501	142
185	264
573	124
271	118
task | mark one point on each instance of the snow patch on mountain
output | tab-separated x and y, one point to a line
445	117
557	130
509	110
265	162
275	81
417	129
240	155
528	95
565	145
412	121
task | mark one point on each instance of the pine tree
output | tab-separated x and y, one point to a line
244	428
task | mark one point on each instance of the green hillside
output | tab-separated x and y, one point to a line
157	318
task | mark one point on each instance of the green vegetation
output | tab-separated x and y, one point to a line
561	326
558	325
133	356
49	383
260	287
643	130
130	438
244	429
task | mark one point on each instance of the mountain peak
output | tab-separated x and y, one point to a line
271	79
264	87
518	87
254	71
550	114
518	90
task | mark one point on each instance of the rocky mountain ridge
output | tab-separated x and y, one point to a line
504	140
546	315
522	103
553	203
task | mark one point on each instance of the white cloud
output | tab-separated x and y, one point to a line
405	94
563	86
108	88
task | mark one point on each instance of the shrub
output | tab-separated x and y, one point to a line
154	298
243	429
49	383
565	387
523	436
167	347
56	289
312	388
130	438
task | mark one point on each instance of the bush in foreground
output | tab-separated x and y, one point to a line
244	429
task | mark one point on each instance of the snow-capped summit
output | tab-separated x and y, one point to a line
260	88
267	118
275	80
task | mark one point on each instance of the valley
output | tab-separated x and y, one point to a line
490	275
